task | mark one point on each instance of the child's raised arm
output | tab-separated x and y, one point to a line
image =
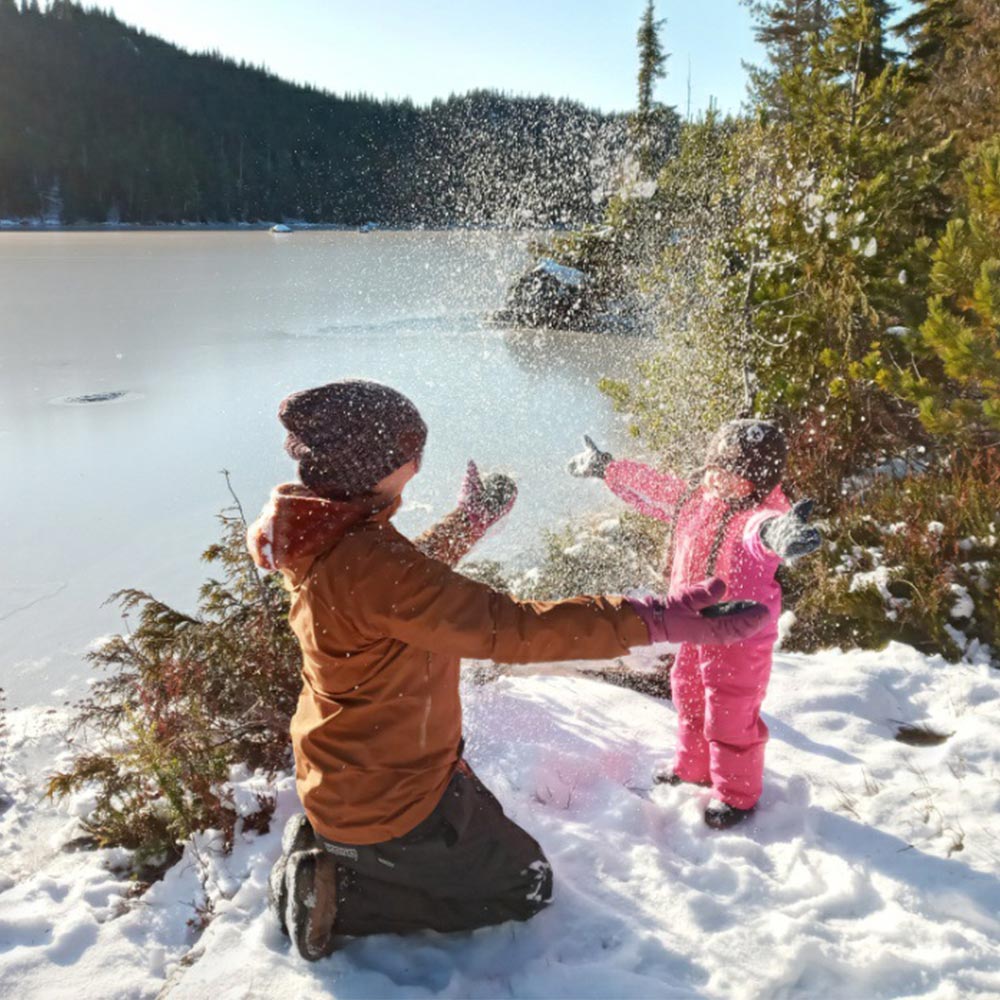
481	503
652	493
655	494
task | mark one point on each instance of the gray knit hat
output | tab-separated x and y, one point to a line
753	449
347	436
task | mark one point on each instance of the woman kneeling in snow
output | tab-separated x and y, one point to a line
398	833
731	517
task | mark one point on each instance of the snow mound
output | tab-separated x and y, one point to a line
870	868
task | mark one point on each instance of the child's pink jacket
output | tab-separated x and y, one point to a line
717	690
743	562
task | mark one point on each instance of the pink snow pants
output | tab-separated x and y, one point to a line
718	691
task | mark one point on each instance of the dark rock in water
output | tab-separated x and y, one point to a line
96	397
554	296
549	295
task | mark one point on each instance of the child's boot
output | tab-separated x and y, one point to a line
667	776
720	815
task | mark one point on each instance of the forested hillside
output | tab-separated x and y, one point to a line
102	122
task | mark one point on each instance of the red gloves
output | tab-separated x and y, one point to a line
679	619
485	501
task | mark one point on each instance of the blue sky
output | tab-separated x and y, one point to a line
584	49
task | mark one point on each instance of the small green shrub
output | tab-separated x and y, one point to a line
596	557
913	560
186	699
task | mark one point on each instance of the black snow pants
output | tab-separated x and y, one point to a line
465	866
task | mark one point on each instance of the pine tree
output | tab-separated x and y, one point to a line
827	250
958	390
649	121
787	29
927	31
859	34
954	71
204	138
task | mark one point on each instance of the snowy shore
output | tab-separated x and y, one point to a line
871	868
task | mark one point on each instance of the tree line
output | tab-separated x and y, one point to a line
103	122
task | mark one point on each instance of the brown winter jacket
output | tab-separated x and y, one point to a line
383	627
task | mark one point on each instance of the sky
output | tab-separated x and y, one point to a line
583	49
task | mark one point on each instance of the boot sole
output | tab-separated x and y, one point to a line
311	904
297	836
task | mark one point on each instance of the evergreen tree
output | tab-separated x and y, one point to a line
828	245
958	388
954	71
649	121
787	29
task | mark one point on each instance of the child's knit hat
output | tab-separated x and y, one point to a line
347	436
753	449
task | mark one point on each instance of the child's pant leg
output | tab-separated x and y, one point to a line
735	680
688	695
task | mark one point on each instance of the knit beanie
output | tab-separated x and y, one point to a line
349	435
753	449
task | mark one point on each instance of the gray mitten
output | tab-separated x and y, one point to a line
790	535
591	463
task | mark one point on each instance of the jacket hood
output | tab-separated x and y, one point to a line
296	525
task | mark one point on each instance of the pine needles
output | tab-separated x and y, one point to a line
185	698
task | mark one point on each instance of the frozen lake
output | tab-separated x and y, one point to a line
203	333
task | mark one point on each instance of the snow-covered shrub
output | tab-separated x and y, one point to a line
187	698
915	559
594	557
603	558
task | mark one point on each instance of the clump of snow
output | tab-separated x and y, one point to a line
786	622
964	607
564	275
869	869
913	462
877	578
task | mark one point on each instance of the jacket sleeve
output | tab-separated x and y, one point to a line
775	506
401	593
449	540
652	493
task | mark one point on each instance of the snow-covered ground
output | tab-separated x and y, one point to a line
870	870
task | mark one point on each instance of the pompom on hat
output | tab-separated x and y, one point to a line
347	436
753	449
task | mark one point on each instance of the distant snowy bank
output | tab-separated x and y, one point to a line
36	224
870	869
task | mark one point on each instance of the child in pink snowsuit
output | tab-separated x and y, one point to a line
732	520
